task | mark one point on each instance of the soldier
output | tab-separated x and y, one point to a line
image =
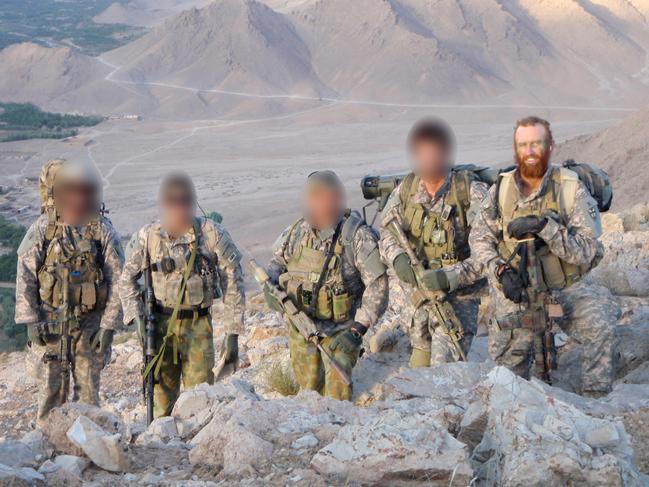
537	235
66	285
434	207
193	262
329	264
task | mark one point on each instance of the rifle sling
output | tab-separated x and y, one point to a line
325	269
173	325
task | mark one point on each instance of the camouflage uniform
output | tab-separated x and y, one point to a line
217	271
365	282
86	364
425	334
587	314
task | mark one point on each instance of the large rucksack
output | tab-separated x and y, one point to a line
46	183
596	181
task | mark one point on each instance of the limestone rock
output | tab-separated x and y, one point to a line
14	453
17	476
392	449
102	448
59	421
68	463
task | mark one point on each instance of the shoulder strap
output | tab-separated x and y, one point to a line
325	268
352	223
568	185
408	188
503	190
461	192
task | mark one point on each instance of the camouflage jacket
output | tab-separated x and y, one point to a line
463	273
216	246
575	241
31	256
363	273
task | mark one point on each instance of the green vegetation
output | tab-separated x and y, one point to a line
22	121
12	336
280	379
57	22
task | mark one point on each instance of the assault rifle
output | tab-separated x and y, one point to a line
64	320
443	310
299	319
148	348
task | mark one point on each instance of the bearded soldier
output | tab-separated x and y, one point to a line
66	286
432	209
537	235
328	263
193	261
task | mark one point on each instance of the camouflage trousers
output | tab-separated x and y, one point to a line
428	336
85	368
589	318
314	372
194	361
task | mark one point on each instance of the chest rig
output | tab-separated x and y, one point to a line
314	278
74	262
169	262
434	235
557	199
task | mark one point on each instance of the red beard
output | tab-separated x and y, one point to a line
533	171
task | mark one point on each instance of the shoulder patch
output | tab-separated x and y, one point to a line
31	239
134	245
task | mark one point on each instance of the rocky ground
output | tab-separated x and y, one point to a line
452	425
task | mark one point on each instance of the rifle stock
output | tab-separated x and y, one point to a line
299	319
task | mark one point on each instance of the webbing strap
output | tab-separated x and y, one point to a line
325	269
174	324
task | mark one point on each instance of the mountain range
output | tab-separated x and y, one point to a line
267	56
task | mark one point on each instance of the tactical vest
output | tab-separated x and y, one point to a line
335	298
203	285
81	263
558	198
433	235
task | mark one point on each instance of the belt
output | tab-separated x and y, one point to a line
183	314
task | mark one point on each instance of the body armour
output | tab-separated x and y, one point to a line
557	202
305	269
433	235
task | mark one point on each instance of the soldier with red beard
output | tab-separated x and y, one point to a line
537	235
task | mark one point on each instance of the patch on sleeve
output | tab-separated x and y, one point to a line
134	245
31	239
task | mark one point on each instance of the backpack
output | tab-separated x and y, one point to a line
46	184
596	181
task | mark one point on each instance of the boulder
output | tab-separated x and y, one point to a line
18	476
534	439
393	448
60	419
14	453
67	463
101	447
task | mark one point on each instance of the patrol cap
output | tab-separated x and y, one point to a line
324	179
177	180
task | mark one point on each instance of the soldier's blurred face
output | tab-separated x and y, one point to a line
533	150
178	209
431	159
76	201
324	206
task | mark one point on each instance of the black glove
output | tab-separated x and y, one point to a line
526	225
36	333
272	301
513	287
101	340
403	269
230	349
348	341
435	280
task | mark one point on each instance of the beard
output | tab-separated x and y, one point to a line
537	168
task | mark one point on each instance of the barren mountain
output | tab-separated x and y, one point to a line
145	13
555	52
621	150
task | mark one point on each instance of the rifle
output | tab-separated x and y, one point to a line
63	324
443	310
299	319
148	348
543	313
